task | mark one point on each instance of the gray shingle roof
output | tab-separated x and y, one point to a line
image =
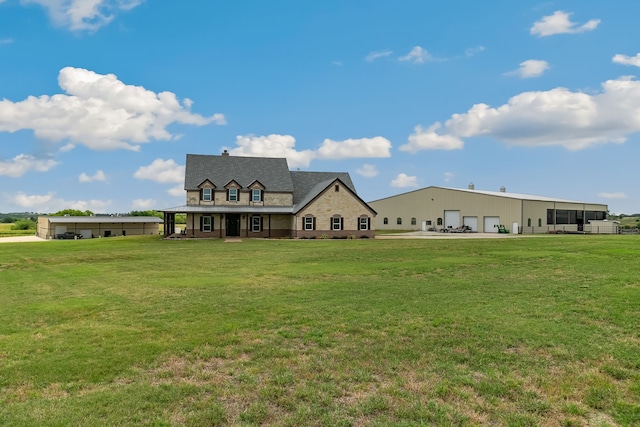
103	219
273	173
306	183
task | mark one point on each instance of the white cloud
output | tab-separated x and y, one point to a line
559	23
272	146
448	176
473	51
23	163
612	195
418	55
337	63
627	60
49	203
6	41
99	112
430	140
355	148
403	181
80	15
530	68
557	117
376	55
161	171
143	204
98	176
284	146
177	191
368	171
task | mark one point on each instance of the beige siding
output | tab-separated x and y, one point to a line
330	203
430	203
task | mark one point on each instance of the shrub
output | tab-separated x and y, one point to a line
25	224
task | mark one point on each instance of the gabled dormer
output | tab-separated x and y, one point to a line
207	192
233	191
256	193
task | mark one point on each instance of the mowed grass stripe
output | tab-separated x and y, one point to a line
140	331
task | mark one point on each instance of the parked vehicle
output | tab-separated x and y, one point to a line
69	235
461	229
502	229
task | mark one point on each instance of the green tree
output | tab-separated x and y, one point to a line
147	213
73	212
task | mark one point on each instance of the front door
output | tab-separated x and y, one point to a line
232	225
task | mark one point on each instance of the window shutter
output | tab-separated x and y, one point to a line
227	194
201	223
261	223
314	222
368	223
341	223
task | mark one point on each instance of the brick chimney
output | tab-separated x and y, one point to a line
225	153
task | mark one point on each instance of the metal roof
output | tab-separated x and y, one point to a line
104	219
504	194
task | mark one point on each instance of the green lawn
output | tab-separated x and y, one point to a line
139	331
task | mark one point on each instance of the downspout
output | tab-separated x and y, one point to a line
193	224
269	232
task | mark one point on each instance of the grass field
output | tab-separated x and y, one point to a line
6	231
138	331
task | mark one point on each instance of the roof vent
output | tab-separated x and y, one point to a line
471	186
225	153
503	189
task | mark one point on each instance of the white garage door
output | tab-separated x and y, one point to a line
471	222
491	223
451	219
86	234
60	229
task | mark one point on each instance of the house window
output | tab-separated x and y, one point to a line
399	221
413	221
428	222
308	223
207	223
336	223
385	221
256	195
439	221
337	188
232	194
256	224
363	223
206	194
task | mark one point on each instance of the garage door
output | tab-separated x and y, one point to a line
451	219
60	229
491	223
471	222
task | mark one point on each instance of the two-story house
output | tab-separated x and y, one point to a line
231	196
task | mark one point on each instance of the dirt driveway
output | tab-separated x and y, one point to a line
17	239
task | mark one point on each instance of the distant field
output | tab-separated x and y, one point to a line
139	331
6	231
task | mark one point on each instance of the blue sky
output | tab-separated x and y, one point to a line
101	100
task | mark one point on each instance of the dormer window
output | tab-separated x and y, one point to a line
206	194
232	194
256	195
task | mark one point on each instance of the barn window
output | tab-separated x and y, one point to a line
399	221
439	222
529	222
385	221
413	221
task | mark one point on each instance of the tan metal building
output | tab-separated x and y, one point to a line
438	208
97	226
